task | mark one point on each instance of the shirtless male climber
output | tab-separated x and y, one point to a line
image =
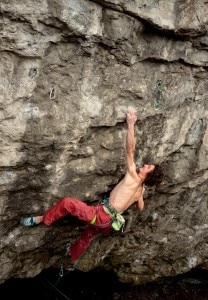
101	217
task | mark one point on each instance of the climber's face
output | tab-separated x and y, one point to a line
145	169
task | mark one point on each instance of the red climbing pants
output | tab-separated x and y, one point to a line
85	213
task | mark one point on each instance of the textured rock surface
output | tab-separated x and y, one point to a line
68	71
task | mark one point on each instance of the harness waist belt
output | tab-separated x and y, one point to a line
118	220
108	208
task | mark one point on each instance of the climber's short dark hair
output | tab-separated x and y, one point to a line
155	177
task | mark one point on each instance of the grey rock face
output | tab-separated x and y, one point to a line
68	72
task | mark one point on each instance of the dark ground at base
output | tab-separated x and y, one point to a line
99	285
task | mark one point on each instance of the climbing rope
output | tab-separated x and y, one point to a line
53	286
159	89
61	274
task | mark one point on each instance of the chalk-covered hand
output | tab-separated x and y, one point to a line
131	116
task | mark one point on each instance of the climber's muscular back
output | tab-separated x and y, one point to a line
126	192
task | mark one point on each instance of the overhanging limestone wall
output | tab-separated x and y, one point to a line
68	71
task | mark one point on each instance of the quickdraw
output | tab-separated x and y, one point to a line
159	89
61	274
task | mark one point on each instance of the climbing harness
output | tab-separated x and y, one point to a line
118	222
108	207
93	220
159	89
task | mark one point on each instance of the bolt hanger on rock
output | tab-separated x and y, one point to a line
159	89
